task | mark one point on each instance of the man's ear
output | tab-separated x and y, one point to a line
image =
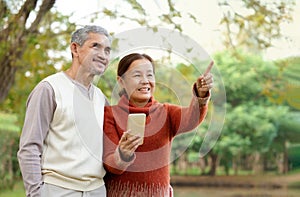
74	48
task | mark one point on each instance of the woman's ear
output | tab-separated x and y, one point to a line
120	81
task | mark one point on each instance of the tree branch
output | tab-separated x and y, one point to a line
24	12
45	7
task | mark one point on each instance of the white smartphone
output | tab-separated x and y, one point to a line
136	124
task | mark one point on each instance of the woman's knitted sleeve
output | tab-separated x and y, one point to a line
112	160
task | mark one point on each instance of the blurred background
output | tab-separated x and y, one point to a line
256	48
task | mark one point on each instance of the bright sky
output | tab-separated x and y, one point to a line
208	13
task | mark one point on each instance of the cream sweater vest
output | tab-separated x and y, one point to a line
73	148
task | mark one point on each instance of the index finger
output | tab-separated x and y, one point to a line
209	67
125	136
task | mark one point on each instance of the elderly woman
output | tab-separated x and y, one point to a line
135	169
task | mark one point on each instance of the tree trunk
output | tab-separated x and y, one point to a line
214	164
182	163
7	76
285	158
282	160
13	38
257	164
235	165
280	163
202	165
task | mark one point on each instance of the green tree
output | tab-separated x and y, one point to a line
252	122
284	88
15	34
31	51
288	134
264	119
255	24
18	29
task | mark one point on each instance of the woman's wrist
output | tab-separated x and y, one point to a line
125	157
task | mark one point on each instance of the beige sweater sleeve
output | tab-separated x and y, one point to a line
39	112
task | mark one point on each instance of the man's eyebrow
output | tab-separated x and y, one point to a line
96	44
101	45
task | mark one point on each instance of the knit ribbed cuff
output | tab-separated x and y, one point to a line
202	101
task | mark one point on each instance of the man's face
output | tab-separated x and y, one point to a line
94	54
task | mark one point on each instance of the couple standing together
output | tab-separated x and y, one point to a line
73	142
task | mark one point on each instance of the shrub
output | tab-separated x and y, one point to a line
9	167
294	156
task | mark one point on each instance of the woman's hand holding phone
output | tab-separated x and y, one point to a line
128	144
134	135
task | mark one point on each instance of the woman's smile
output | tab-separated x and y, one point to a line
139	81
144	89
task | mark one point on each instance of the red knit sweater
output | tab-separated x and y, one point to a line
148	172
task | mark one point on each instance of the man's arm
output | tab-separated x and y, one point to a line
39	113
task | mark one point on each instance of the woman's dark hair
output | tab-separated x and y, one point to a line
127	60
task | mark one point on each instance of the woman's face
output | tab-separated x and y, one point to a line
139	82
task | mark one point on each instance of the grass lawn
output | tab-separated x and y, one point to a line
17	191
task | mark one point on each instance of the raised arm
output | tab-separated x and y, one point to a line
185	119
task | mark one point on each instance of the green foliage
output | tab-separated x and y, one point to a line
288	131
257	25
17	191
9	137
244	76
254	28
8	122
253	124
294	156
42	56
287	90
9	167
251	119
255	88
143	16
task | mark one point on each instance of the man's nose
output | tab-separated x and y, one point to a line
102	54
